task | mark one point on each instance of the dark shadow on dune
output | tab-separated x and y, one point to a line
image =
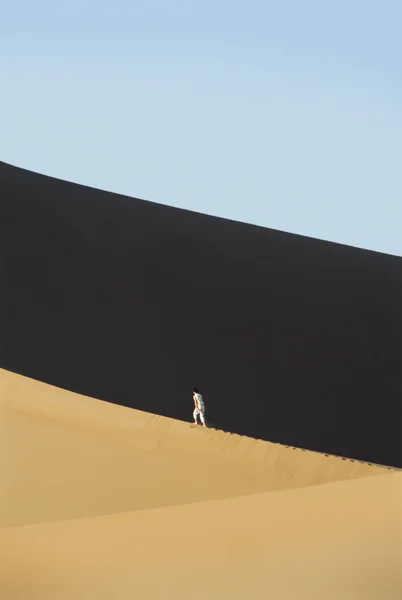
290	339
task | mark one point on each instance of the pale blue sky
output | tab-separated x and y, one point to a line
285	113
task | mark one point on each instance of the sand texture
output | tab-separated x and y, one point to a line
98	501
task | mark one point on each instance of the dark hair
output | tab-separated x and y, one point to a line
195	390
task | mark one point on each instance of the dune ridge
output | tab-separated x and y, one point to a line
75	457
327	542
101	502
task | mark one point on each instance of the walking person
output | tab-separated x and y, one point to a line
199	407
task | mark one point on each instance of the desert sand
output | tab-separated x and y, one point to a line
104	502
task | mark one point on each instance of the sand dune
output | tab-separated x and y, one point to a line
291	339
337	541
74	456
100	501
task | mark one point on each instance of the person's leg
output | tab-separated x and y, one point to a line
195	413
202	417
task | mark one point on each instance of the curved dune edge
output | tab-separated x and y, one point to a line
337	541
69	456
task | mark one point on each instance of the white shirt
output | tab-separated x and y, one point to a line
199	401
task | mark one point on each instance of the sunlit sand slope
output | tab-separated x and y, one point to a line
341	541
68	456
